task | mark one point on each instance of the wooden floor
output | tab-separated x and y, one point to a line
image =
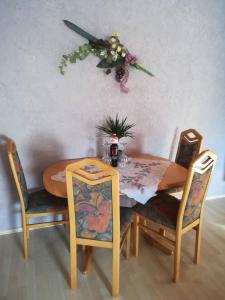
45	275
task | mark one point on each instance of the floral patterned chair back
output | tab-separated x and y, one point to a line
188	148
196	188
94	197
18	174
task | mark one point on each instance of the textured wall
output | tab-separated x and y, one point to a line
53	117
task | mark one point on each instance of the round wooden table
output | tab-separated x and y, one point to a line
174	176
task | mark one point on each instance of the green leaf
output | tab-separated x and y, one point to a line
108	63
72	57
139	67
61	70
104	64
117	126
109	59
80	31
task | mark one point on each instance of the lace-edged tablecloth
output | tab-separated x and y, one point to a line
139	179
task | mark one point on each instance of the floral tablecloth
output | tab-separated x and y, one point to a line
139	179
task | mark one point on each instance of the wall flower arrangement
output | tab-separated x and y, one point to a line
113	56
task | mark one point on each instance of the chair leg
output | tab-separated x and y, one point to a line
116	270
177	255
136	235
88	259
25	242
198	243
73	264
127	253
28	231
67	226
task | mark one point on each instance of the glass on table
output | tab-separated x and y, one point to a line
106	157
123	159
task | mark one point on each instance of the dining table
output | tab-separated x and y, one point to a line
141	178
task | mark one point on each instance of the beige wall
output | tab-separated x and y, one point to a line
53	117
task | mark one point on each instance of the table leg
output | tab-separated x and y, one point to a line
87	259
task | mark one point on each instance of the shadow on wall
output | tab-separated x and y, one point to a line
90	150
12	206
135	146
42	152
173	144
99	145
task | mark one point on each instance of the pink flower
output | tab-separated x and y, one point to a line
131	59
135	184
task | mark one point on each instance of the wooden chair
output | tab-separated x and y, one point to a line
36	204
94	212
189	147
178	217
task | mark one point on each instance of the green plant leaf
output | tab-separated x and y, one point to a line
107	63
139	67
72	57
117	126
80	31
104	64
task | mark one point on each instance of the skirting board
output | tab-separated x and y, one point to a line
15	230
10	231
215	197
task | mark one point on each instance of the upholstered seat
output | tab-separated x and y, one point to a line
162	209
42	202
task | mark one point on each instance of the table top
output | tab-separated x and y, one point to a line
174	176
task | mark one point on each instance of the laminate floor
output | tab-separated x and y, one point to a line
46	273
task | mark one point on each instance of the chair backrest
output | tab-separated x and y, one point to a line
93	200
196	187
188	148
18	174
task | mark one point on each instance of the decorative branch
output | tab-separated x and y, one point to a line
111	52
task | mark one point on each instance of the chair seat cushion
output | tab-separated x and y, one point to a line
162	209
126	218
44	202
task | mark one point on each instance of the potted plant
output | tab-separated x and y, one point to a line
116	126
